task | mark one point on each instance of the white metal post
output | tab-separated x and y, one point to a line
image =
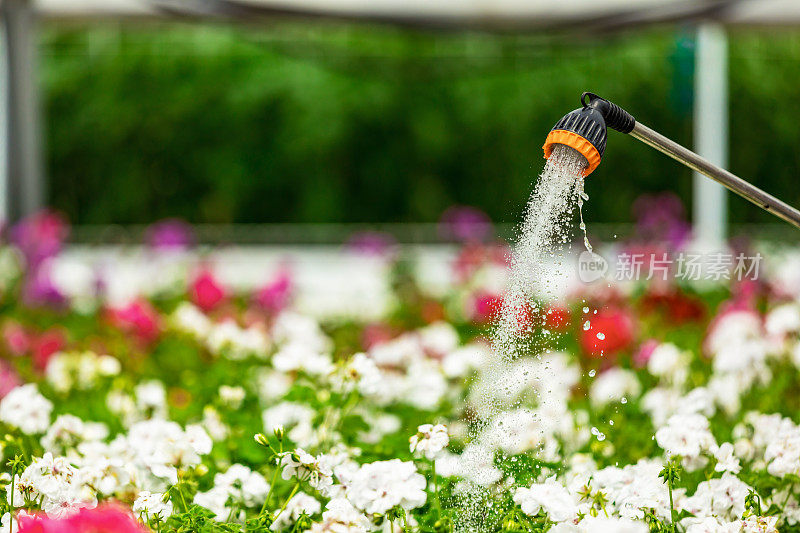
710	208
23	158
4	181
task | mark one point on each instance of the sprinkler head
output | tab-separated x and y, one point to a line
584	129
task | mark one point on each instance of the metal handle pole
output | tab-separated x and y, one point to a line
734	183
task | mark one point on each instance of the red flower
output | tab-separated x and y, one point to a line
610	331
432	311
51	341
138	318
556	318
677	306
107	518
205	291
375	334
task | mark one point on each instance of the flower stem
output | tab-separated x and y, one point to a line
11	504
283	507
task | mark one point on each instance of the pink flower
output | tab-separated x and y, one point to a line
16	339
205	291
170	234
107	518
465	223
374	243
485	307
9	378
138	318
40	236
275	295
39	289
647	348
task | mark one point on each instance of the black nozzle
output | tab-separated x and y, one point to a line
584	129
615	117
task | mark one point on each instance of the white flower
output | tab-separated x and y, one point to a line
363	370
597	524
302	356
631	488
152	504
668	362
783	320
379	486
236	343
476	464
726	461
68	431
722	498
699	400
341	517
272	384
613	385
213	424
231	396
56	483
235	488
379	426
306	467
108	365
686	435
151	399
398	352
425	386
551	496
190	319
23	407
759	524
708	524
292	327
660	403
198	439
301	503
79	370
438	338
9	524
294	417
430	440
246	487
462	361
216	501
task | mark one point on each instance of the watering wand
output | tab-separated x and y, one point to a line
585	131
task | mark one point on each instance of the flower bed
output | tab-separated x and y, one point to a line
655	409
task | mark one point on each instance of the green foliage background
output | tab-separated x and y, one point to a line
331	122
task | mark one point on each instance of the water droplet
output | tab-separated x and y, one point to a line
586	325
592	372
601	336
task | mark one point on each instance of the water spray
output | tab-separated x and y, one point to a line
584	130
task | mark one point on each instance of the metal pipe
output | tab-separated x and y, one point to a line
720	175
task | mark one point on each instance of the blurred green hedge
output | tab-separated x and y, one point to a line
344	123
